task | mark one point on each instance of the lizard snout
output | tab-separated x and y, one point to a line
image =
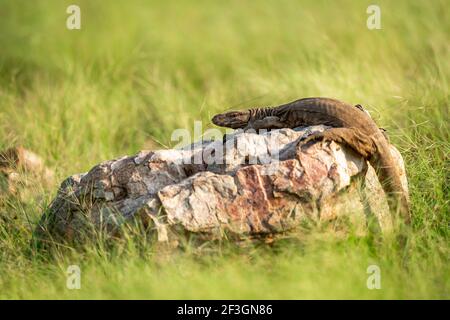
232	119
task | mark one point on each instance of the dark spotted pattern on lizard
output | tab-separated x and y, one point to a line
351	126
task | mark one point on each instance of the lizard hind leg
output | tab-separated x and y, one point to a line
350	137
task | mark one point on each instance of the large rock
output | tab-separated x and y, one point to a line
259	185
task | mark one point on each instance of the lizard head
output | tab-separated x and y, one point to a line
232	119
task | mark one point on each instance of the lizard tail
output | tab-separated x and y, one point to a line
389	178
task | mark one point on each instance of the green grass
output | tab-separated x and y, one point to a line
137	70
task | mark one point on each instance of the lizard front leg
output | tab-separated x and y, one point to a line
269	122
350	137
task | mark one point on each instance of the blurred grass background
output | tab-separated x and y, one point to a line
139	69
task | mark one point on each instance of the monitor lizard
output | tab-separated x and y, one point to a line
351	126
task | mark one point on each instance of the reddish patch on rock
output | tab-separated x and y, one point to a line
253	197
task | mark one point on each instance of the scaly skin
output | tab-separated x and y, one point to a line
351	125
